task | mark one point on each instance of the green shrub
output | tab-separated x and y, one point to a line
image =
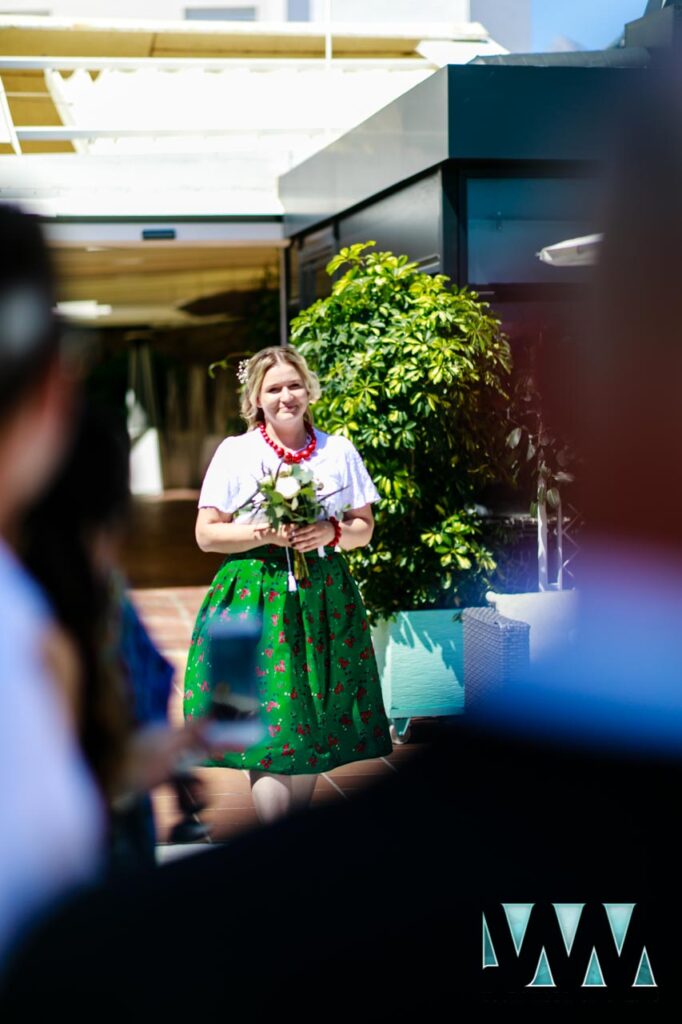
413	371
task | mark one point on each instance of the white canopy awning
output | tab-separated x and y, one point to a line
115	130
193	118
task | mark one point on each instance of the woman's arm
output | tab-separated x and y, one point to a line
357	527
215	531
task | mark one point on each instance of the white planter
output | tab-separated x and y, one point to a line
551	615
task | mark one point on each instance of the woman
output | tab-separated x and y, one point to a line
320	690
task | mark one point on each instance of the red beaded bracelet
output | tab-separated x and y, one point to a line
337	531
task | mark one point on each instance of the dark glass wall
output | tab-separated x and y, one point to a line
406	221
307	258
509	219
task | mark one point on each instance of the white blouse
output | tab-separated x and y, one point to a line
240	462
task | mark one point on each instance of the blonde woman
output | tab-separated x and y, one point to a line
320	689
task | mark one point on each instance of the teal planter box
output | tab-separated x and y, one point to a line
421	665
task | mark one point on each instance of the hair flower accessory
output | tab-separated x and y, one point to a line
242	370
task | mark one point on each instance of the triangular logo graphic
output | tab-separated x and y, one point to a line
568	915
645	976
543	976
594	977
518	915
619	915
489	957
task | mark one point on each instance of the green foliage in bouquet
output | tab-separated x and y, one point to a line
287	496
290	495
413	372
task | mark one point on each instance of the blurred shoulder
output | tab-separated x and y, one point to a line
24	606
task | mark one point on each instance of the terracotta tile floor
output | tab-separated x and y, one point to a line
169	614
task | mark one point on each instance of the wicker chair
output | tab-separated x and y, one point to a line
496	649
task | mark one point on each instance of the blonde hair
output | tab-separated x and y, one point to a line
256	368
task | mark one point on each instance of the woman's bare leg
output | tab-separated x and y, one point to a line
276	795
302	788
271	794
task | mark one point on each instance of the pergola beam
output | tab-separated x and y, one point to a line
68	133
206	64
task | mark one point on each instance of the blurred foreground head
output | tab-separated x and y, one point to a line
622	395
616	390
34	395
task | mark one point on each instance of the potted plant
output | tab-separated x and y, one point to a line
414	371
544	463
549	462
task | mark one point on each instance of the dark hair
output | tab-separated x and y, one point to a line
92	489
29	327
90	493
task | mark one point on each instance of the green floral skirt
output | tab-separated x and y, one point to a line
318	679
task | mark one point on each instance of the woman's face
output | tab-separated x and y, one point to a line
283	395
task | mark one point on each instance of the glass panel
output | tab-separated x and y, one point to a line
511	219
407	221
298	10
316	251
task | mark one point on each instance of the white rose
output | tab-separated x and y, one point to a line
287	486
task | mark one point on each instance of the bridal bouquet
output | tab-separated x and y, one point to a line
291	495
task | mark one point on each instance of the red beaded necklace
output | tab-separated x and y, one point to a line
304	453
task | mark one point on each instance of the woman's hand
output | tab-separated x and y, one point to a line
312	536
280	536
